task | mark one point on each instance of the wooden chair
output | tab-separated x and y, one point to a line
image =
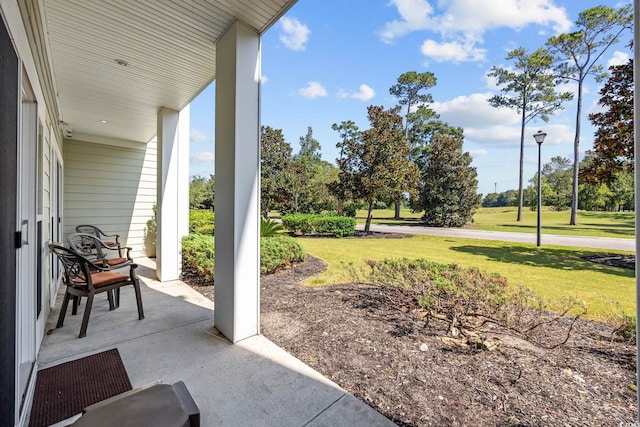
84	278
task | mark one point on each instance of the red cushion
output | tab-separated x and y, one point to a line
116	261
105	278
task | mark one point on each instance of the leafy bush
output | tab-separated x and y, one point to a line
202	221
297	223
269	227
275	253
338	226
468	298
279	251
198	253
350	210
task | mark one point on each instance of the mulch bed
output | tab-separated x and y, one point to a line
400	364
613	260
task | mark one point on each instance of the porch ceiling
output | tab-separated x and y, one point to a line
169	48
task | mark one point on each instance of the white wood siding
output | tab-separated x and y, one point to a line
111	187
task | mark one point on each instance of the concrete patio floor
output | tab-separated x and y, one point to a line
251	383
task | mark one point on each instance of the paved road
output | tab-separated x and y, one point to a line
547	239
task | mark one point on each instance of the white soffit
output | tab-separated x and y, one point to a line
169	48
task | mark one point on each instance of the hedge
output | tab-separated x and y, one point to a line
338	226
202	221
275	253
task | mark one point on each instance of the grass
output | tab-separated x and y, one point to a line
552	271
597	224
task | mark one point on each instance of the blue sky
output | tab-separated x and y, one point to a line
325	62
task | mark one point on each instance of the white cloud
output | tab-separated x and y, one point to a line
618	58
487	126
415	16
294	34
478	153
462	23
473	111
313	90
202	158
366	93
473	17
196	136
452	51
263	79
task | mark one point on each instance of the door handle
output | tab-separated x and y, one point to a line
24	231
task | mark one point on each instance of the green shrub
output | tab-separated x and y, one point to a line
201	221
198	253
434	286
275	253
279	251
208	229
297	223
350	210
338	226
269	227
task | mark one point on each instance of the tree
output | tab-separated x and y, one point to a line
311	175
344	187
508	198
447	192
410	93
613	146
490	200
201	192
529	88
576	57
377	163
275	170
557	174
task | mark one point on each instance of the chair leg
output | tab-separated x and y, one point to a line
112	304
85	317
136	287
63	310
74	306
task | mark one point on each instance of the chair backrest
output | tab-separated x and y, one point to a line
87	245
76	267
89	229
92	229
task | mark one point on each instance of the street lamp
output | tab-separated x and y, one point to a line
539	137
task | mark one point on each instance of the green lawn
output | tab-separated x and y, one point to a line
600	224
551	271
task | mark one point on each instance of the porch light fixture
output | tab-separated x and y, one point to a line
104	122
539	137
121	62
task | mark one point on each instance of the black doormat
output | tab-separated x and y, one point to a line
64	390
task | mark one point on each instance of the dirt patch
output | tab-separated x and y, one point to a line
400	364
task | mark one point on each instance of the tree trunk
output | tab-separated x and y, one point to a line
521	177
576	158
367	225
397	212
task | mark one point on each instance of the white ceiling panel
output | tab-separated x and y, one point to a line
169	48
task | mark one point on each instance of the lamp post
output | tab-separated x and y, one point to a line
539	137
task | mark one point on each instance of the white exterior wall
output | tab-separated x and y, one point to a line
112	187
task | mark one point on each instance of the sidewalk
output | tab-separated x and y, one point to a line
610	243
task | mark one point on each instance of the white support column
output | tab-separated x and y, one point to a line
237	191
172	198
